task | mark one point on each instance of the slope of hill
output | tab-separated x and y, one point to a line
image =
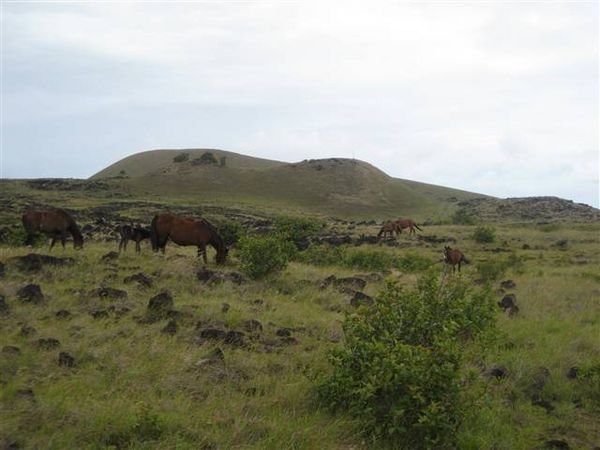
335	186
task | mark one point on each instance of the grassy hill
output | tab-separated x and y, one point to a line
334	186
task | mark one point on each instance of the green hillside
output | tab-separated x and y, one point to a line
335	186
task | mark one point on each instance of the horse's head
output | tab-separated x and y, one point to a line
222	255
78	242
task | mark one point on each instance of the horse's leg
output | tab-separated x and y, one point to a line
138	248
63	239
52	242
202	251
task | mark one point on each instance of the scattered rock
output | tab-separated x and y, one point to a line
48	343
497	372
11	350
4	308
283	332
160	305
2	270
225	307
512	311
34	262
109	257
170	328
31	293
508	301
558	444
99	314
253	326
508	284
62	314
27	330
65	360
212	333
236	338
526	247
573	373
212	277
140	278
542	403
360	299
108	292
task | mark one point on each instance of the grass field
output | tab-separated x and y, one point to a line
133	385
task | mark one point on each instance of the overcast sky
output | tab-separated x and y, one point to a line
498	98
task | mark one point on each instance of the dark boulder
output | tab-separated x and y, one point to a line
110	256
62	314
253	326
508	284
236	338
212	333
48	343
160	305
498	372
139	278
31	293
27	330
508	301
11	350
65	360
361	299
4	308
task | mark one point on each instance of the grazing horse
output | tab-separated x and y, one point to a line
407	223
55	223
136	234
186	231
454	257
388	228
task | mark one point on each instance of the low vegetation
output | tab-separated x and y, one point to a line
358	344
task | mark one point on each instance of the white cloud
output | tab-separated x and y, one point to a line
499	91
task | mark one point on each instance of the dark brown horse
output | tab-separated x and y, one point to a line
454	257
135	234
407	223
55	223
388	228
186	231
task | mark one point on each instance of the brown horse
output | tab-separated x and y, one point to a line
136	234
186	231
55	223
407	223
454	257
388	228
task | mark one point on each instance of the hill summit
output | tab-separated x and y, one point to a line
335	186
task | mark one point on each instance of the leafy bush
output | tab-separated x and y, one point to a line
589	383
368	260
490	271
261	256
484	235
462	217
230	231
398	372
297	229
182	157
413	262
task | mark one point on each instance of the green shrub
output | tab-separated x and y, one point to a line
490	271
462	217
230	231
398	372
413	262
182	157
484	235
297	229
261	256
367	259
589	384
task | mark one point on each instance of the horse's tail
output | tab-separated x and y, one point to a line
154	234
417	227
464	259
380	232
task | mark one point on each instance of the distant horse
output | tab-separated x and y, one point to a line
136	234
186	231
407	223
55	223
454	257
388	228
